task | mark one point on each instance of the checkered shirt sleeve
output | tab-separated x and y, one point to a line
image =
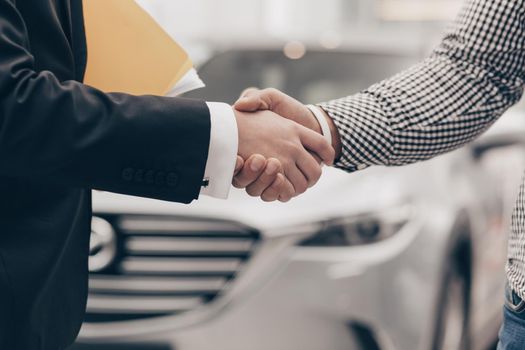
445	101
440	104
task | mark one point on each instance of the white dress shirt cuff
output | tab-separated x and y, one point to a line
222	154
323	123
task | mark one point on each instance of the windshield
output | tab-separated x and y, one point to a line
318	76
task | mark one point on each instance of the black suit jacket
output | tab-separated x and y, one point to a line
59	139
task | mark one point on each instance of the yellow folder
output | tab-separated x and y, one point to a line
128	51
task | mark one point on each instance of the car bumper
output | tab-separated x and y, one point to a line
278	303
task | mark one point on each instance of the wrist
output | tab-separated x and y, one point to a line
336	137
240	127
222	151
329	129
313	123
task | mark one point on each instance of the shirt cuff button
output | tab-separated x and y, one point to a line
128	174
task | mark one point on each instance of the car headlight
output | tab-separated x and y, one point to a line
359	229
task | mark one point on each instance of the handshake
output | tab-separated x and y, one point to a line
281	146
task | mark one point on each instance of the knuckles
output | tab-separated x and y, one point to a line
270	91
236	184
269	198
252	192
301	187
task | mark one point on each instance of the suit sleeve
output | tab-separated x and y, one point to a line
445	101
70	133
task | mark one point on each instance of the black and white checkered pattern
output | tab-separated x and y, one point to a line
475	74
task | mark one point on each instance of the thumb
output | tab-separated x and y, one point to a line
248	104
251	100
249	91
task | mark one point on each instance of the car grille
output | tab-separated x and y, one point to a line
164	266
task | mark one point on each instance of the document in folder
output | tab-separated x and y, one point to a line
129	52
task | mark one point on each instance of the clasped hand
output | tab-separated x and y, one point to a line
281	149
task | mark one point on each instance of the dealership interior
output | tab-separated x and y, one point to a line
387	258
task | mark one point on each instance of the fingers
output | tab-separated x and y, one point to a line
287	191
297	178
317	159
268	183
281	190
310	168
316	143
271	194
239	164
266	179
251	100
252	169
249	91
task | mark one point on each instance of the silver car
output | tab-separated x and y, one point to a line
399	258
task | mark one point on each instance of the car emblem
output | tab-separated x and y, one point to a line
102	245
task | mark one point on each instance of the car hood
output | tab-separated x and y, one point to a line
337	194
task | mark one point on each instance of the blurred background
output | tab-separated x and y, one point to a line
405	258
204	25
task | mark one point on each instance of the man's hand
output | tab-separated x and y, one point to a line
263	178
291	144
276	101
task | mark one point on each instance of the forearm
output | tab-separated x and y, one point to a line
443	102
69	133
64	131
